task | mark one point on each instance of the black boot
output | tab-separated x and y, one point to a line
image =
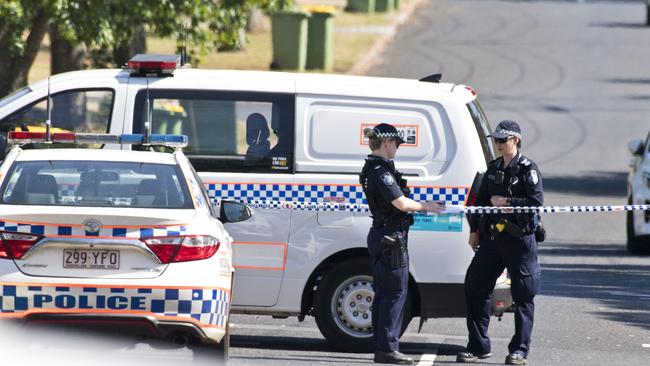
516	359
469	357
394	357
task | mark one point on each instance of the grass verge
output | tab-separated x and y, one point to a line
354	36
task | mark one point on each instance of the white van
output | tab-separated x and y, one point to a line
291	146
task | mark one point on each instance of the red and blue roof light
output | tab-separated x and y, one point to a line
25	137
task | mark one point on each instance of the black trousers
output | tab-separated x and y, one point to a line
519	256
390	286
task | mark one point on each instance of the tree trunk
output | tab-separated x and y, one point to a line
15	69
123	52
64	55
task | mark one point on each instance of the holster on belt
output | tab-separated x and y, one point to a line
394	248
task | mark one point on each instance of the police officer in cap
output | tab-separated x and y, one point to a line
389	202
505	240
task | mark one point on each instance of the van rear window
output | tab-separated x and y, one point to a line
483	129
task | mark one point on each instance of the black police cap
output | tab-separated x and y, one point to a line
386	131
506	129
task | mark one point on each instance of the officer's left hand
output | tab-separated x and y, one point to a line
499	201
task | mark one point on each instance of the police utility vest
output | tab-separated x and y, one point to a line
521	182
383	212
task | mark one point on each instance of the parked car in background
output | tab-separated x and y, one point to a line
638	192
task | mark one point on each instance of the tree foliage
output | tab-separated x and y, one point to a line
101	26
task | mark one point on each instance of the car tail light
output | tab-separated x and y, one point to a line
170	249
14	245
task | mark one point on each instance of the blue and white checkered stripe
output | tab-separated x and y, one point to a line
207	306
312	196
449	195
76	231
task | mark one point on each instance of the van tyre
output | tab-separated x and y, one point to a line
343	306
635	244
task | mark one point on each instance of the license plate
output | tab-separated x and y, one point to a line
91	259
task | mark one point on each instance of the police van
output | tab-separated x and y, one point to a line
291	147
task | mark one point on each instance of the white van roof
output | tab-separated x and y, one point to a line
286	82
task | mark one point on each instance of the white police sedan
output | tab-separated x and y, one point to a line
114	237
638	189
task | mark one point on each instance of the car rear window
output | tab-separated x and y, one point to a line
96	183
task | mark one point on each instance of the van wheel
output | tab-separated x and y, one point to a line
343	306
635	244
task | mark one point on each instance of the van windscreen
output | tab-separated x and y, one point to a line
483	129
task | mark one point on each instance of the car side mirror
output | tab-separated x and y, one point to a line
231	211
636	146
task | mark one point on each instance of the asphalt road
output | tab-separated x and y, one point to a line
576	76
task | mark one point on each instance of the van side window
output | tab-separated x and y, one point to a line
227	131
483	129
71	111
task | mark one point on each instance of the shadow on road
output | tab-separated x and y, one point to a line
628	25
593	183
296	345
622	288
583	250
628	81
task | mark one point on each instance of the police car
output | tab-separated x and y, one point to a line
291	146
638	192
113	237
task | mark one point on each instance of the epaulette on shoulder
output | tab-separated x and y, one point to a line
524	161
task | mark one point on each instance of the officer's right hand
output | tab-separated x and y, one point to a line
473	240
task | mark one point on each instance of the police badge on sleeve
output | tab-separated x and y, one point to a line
533	178
388	179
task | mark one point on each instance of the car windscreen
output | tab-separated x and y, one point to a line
96	183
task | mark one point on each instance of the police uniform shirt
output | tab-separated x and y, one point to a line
522	182
381	179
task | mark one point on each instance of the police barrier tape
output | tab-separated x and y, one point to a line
449	209
543	209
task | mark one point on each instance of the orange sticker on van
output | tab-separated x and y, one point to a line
409	133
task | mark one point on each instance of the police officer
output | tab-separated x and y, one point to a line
387	196
501	241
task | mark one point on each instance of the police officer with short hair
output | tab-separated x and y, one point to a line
505	240
387	196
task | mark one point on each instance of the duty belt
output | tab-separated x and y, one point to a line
394	222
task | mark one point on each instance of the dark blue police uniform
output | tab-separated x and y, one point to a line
505	241
382	184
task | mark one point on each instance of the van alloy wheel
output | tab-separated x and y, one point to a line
351	306
343	306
